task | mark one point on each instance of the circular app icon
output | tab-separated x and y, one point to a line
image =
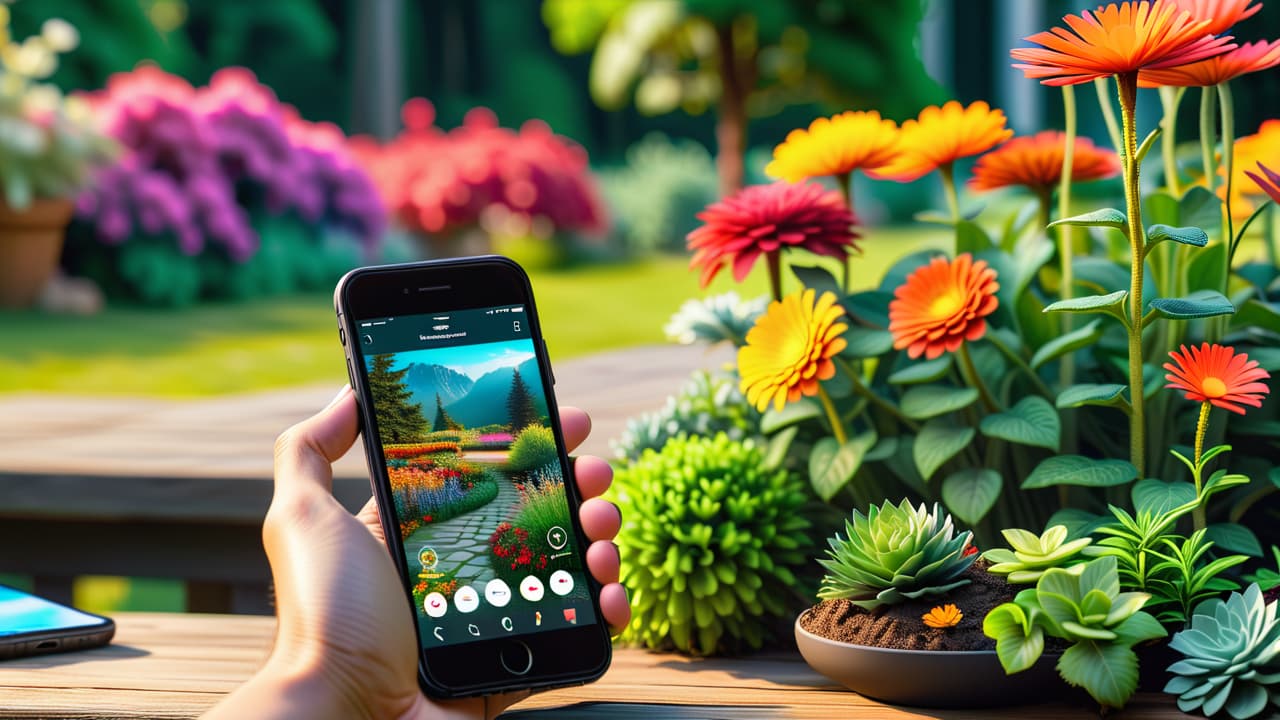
497	592
466	599
435	605
561	582
428	558
557	538
531	588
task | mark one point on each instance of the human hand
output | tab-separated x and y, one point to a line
345	645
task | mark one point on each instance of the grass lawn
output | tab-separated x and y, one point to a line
222	348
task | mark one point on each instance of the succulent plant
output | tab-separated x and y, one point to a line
710	541
1232	657
707	404
895	553
1031	556
715	319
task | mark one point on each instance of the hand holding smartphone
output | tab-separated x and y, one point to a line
470	473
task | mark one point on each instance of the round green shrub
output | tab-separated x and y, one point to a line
534	447
710	544
707	404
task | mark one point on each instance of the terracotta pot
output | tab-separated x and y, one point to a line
30	245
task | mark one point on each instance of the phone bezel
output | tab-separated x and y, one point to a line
563	657
79	637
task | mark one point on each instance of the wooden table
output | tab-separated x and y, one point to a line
176	666
178	489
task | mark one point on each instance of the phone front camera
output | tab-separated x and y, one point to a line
406	291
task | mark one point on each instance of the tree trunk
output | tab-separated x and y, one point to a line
731	122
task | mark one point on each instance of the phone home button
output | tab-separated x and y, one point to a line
516	657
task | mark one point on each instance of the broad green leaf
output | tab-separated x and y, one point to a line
1079	523
1017	649
1160	207
1256	313
1139	627
790	414
938	442
1158	497
1193	236
923	371
1108	672
779	444
1199	304
832	466
1109	304
1090	394
867	343
1235	538
970	493
1032	421
1204	272
926	401
897	274
818	278
882	450
1200	207
1106	217
1063	344
971	238
1079	470
870	306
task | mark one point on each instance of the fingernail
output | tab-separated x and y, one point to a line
336	398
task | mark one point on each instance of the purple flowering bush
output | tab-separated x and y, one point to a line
221	191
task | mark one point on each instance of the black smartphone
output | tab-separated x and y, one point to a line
31	625
469	468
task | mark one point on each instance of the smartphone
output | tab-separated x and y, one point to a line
31	625
468	465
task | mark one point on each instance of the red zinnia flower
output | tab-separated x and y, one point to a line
1250	57
1035	162
1218	375
1268	182
941	305
766	218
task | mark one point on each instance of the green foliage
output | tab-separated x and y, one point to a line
707	404
543	505
1183	579
1266	578
443	423
399	420
534	447
657	195
520	407
710	543
715	319
1231	657
1031	556
895	553
1084	606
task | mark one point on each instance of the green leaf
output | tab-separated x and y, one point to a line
971	238
882	450
1235	538
926	401
1079	523
832	466
1158	497
924	371
1017	648
1106	217
1091	394
1205	269
867	343
779	444
1256	313
1199	304
1079	470
1193	236
1200	207
790	414
970	493
1063	344
1147	143
938	442
1109	304
1033	421
1108	672
870	306
818	278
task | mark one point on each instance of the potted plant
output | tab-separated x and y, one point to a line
46	150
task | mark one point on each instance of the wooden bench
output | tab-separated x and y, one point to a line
176	666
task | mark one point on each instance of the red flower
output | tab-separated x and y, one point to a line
971	550
768	218
1268	181
1218	375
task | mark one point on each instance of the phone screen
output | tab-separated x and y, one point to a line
475	474
23	613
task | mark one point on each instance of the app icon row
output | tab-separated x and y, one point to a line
497	593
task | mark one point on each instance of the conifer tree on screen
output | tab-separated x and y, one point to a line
399	420
520	405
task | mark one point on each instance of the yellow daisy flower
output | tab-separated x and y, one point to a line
835	146
789	349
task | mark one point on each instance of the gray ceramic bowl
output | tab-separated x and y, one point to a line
928	678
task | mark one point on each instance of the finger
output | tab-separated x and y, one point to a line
615	606
576	425
593	474
601	519
603	561
305	453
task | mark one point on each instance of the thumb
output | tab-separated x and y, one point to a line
305	453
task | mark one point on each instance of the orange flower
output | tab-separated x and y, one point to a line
1221	14
1268	181
1216	374
1250	57
1260	147
1036	162
941	305
942	135
1118	39
835	146
943	617
790	349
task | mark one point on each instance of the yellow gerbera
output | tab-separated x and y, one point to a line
789	349
835	146
942	135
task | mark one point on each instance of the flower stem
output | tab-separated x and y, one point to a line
1197	515
844	180
774	259
1022	365
971	375
1170	99
1227	116
871	396
1066	261
948	172
1207	135
833	417
1127	84
1108	114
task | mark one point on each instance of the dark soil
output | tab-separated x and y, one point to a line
900	626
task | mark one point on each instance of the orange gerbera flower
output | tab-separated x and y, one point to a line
1035	162
1268	181
1260	147
941	305
789	349
1221	14
1118	39
835	146
1218	375
942	135
943	616
1250	57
